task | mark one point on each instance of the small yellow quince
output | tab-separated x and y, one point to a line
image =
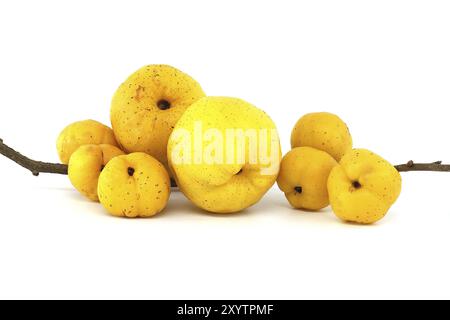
134	185
81	133
86	164
323	131
147	106
363	187
303	177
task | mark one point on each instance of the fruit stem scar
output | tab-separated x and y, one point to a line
298	189
356	184
131	171
139	91
163	104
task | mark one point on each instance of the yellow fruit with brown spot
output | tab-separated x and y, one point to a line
147	106
134	185
303	177
86	164
324	131
81	133
363	187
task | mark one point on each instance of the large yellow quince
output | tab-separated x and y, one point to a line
303	177
87	163
324	131
224	154
363	187
134	185
81	133
147	106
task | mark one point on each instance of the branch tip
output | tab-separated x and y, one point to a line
433	166
36	167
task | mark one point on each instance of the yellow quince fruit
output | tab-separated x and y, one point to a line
303	177
86	164
147	106
81	133
324	131
225	154
134	185
363	187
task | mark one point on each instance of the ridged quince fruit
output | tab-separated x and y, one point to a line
147	106
323	131
225	154
363	187
81	133
86	164
134	185
303	177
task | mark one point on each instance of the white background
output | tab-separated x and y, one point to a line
383	66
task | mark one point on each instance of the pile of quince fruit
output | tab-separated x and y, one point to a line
129	168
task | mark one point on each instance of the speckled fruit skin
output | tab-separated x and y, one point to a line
230	187
363	187
81	133
134	185
86	164
324	131
303	177
138	123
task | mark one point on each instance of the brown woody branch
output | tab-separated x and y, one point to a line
37	167
434	166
